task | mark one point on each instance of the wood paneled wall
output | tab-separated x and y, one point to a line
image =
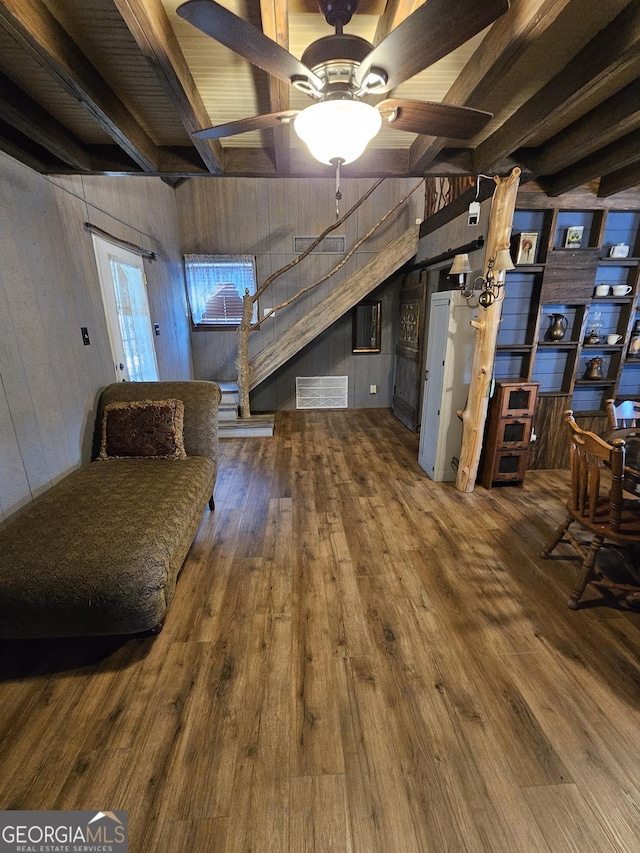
457	233
261	217
551	449
49	288
449	237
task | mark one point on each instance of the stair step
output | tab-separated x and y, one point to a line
229	398
229	391
257	426
232	426
227	411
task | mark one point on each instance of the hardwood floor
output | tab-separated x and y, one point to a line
357	660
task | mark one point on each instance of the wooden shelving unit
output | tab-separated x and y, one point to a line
562	281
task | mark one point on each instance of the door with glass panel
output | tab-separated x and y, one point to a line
124	294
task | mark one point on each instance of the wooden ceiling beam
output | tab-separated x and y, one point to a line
181	159
179	162
27	116
275	25
525	22
611	55
619	181
255	162
110	159
625	152
19	152
172	160
394	13
150	26
609	121
34	27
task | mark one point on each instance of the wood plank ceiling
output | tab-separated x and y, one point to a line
119	86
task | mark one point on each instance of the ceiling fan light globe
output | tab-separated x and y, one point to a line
337	129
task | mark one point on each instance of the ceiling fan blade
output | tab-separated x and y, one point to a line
245	40
243	125
435	29
434	119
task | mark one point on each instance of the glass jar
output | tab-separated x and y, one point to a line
594	327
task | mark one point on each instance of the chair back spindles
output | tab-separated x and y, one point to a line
589	453
576	496
598	505
593	484
624	415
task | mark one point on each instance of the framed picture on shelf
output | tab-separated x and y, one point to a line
573	238
526	247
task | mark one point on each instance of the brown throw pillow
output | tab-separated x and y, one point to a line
149	429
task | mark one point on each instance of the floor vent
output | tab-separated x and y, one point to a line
321	392
336	244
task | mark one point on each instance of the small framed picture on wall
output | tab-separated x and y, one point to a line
573	239
526	247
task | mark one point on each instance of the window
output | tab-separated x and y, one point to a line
216	285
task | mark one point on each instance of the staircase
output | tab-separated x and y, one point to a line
341	299
231	426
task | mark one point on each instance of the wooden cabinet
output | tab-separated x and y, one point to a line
508	433
561	280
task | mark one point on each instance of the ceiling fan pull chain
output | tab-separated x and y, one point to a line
337	161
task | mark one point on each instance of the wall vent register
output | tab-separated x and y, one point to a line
322	392
336	244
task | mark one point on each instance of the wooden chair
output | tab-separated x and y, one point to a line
597	505
624	415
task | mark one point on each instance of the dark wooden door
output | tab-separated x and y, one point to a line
407	391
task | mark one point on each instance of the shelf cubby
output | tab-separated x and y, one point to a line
616	274
512	363
574	315
589	220
629	382
554	367
622	226
589	398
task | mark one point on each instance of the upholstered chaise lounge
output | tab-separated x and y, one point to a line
99	552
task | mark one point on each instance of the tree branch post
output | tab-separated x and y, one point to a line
475	412
242	360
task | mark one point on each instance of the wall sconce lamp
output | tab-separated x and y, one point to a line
461	267
490	285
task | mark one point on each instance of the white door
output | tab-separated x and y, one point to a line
433	383
451	342
124	294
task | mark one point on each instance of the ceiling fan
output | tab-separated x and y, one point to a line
343	73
